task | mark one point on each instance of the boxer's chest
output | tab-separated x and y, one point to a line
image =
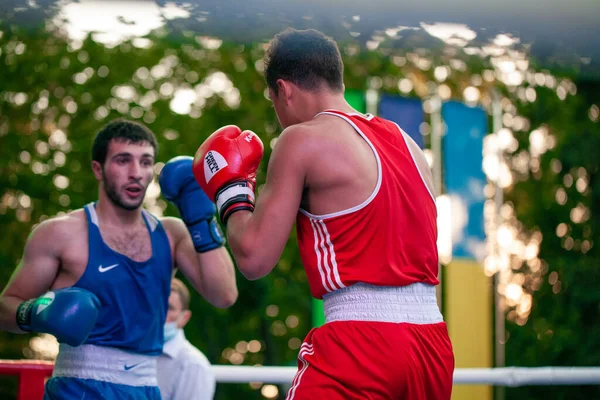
136	244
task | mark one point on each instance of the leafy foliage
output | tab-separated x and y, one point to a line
563	328
54	96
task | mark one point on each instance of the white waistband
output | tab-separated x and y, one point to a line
414	304
106	364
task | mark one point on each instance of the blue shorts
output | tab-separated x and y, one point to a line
63	388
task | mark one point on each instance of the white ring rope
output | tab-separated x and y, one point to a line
510	376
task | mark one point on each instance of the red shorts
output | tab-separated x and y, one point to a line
374	360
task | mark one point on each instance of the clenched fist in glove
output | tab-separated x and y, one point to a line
178	185
225	168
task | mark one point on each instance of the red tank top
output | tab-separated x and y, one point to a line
389	239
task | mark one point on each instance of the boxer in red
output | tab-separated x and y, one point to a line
361	193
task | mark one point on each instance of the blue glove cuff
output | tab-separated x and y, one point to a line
24	315
206	235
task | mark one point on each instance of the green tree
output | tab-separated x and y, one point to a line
563	328
54	95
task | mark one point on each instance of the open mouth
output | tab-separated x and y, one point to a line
133	191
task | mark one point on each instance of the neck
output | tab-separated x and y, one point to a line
322	100
111	214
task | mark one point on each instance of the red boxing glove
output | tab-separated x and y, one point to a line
225	168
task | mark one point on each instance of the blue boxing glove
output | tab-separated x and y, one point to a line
179	186
69	314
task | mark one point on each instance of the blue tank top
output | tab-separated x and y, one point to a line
134	295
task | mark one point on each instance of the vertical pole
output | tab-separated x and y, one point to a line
372	100
499	320
437	131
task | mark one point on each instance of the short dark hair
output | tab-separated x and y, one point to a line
121	130
179	287
306	58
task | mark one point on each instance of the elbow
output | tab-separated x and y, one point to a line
227	299
253	269
252	259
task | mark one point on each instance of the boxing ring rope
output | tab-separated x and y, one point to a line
509	376
32	375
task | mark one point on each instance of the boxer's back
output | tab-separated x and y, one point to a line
368	214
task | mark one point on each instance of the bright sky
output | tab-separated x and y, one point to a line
113	21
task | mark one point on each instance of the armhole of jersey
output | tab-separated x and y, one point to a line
91	218
404	136
91	212
151	221
377	186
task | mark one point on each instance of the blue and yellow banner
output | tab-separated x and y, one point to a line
468	306
406	112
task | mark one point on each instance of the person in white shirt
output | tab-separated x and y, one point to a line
184	373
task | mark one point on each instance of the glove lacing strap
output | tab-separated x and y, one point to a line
206	235
236	196
24	315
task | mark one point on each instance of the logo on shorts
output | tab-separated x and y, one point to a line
44	302
128	367
213	163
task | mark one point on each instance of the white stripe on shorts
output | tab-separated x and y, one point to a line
305	350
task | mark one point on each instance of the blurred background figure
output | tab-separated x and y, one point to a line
184	372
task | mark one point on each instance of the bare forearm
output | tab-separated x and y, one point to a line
252	244
218	283
8	314
238	235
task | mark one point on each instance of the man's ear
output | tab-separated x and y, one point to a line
285	90
97	168
185	318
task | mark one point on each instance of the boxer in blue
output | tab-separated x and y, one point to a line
99	278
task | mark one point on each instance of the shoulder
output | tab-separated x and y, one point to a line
172	225
58	230
298	141
301	132
63	226
184	354
175	229
194	357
